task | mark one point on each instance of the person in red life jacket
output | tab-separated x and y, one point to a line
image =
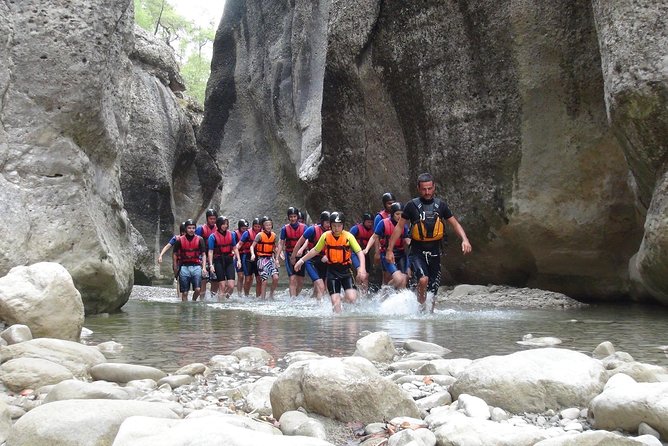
242	271
289	237
223	256
265	248
169	245
387	199
362	233
426	215
315	268
191	250
205	231
382	232
250	266
338	246
301	218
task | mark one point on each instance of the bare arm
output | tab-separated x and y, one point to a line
459	230
164	250
298	248
398	232
309	255
370	244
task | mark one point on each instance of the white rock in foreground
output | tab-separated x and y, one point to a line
43	297
599	438
16	333
123	373
31	373
377	347
72	389
533	380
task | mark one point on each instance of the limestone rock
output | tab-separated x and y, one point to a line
346	389
294	422
377	347
78	390
451	367
533	380
5	422
31	373
257	399
175	381
16	333
414	345
81	422
193	369
123	373
251	357
410	437
43	297
594	438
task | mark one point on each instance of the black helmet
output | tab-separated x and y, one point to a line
265	219
396	206
189	222
367	216
242	223
337	217
293	211
324	216
210	212
300	215
256	221
182	227
388	196
222	219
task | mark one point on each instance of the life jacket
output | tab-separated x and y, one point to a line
384	214
223	245
178	251
363	235
337	249
207	231
265	247
430	227
318	233
245	246
189	252
389	229
292	235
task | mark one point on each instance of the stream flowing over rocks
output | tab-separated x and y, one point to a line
416	396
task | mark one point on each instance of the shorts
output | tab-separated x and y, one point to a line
266	267
316	269
244	267
250	268
400	263
427	263
190	275
339	278
290	269
224	267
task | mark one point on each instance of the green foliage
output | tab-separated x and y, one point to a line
188	39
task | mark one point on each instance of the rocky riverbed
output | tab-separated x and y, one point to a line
64	393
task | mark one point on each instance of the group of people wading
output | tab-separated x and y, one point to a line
409	239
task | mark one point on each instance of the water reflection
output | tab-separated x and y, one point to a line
168	334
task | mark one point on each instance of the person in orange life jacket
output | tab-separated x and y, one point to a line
387	199
289	237
169	245
316	268
426	214
339	245
362	233
223	255
382	233
205	231
266	249
242	226
191	251
249	266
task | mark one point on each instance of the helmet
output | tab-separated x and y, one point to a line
189	222
182	227
293	211
337	217
367	216
242	223
300	215
265	219
396	206
256	221
324	216
388	196
210	212
221	220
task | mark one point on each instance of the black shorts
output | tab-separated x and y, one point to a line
290	269
426	263
320	266
224	267
339	278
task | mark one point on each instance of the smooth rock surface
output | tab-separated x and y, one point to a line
251	357
16	333
123	373
414	345
78	390
377	347
5	421
596	438
294	422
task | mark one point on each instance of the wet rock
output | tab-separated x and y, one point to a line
81	422
543	341
603	350
533	380
16	333
345	389
251	357
79	390
377	347
594	438
30	373
76	357
294	422
413	345
43	297
123	373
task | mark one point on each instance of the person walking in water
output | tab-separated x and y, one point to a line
204	231
315	268
290	235
426	215
338	246
191	251
242	270
363	232
223	257
267	252
249	266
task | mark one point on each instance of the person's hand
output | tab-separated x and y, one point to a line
466	247
252	257
298	264
159	259
389	256
205	273
278	263
282	255
362	275
325	259
238	263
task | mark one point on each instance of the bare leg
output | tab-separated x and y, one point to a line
319	288
240	283
350	295
258	287
293	285
248	282
336	302
300	285
195	294
398	280
422	289
274	284
184	297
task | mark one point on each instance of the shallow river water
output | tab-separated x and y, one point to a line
160	331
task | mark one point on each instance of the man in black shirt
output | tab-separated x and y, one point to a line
426	215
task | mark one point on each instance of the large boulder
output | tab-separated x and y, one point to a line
73	389
346	389
533	380
43	297
5	421
32	373
80	422
377	347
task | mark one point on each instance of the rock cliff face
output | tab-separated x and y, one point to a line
63	123
544	125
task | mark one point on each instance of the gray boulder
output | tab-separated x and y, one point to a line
43	297
251	357
294	422
31	373
123	373
72	389
598	438
16	333
377	347
346	389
